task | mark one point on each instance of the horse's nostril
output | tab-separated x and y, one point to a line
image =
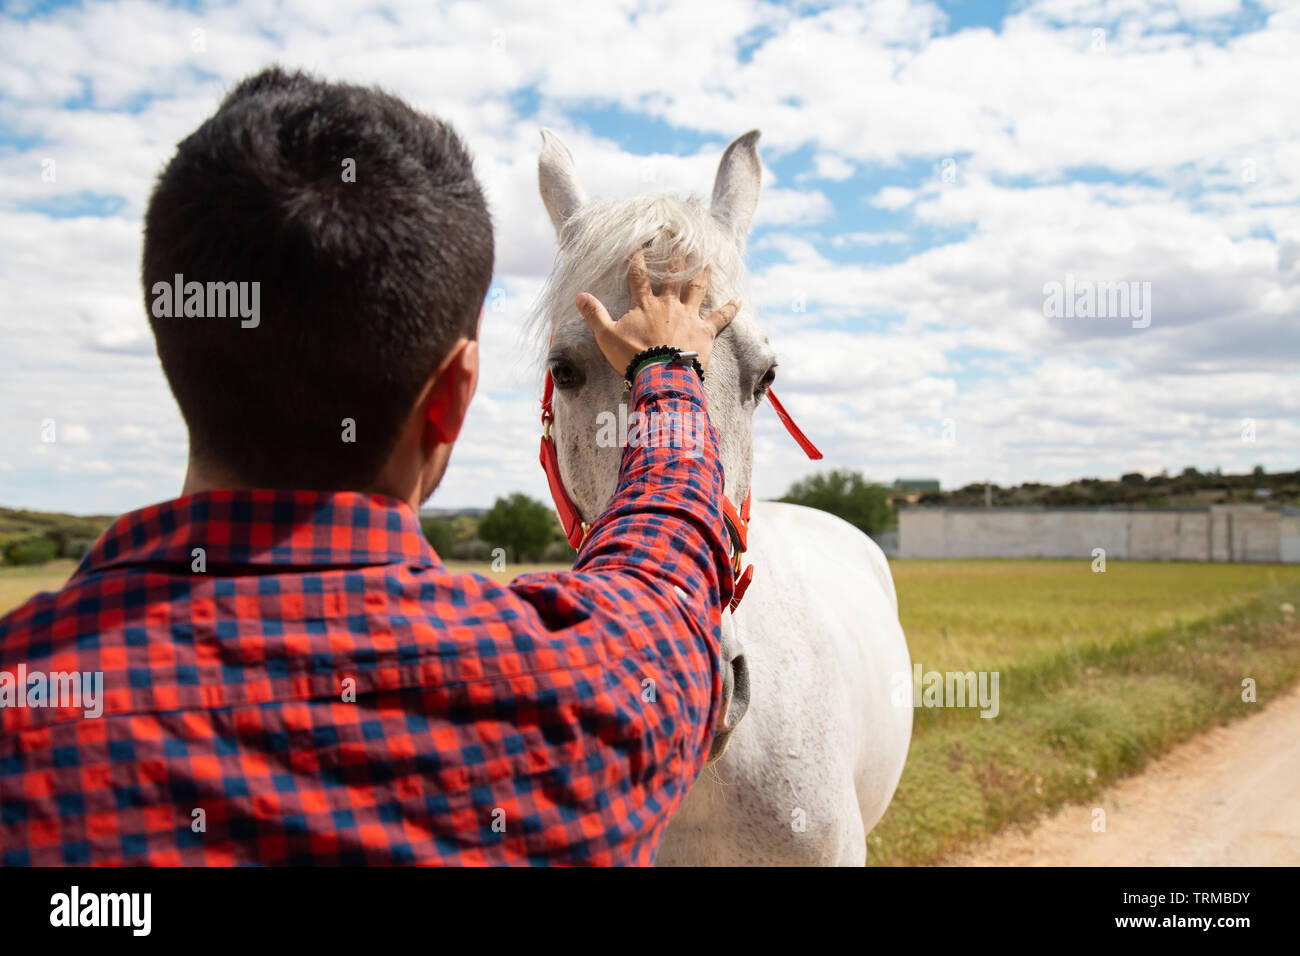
739	691
735	700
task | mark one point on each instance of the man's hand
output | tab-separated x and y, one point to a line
653	320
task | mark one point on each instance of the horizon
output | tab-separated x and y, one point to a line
430	510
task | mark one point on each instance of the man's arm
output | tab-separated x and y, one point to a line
664	522
655	563
652	578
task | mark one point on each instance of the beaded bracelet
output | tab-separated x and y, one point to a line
660	354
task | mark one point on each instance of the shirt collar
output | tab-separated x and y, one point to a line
265	528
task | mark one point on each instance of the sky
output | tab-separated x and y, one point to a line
932	172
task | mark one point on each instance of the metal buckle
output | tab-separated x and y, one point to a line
733	540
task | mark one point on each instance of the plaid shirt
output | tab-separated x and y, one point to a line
325	692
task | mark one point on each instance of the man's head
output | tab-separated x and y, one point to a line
368	235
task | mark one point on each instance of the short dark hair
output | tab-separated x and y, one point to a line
369	235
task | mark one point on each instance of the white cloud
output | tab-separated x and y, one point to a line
829	166
868	239
1195	136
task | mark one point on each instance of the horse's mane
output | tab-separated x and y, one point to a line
601	234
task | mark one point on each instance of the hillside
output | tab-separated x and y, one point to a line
1190	489
52	533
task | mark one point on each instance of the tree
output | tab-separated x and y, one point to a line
861	503
1065	496
440	535
33	550
520	524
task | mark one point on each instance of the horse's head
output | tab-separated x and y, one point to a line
596	237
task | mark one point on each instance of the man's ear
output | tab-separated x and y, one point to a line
450	393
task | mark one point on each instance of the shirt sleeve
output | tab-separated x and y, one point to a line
655	566
665	520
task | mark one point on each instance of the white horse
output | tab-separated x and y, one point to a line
816	641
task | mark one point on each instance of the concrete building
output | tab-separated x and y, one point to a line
1218	533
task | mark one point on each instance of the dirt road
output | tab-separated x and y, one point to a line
1230	797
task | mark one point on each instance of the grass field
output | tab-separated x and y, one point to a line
1097	673
20	583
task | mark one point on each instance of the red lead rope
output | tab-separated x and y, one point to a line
795	431
575	529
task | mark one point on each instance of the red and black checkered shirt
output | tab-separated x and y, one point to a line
314	687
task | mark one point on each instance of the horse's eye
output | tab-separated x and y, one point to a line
765	382
565	374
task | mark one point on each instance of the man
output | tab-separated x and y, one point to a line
290	675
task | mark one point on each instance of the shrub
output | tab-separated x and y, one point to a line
440	535
34	550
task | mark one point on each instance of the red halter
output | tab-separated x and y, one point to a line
575	529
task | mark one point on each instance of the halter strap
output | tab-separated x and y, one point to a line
575	529
736	521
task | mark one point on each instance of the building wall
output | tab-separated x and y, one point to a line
1221	533
1290	540
1256	537
921	533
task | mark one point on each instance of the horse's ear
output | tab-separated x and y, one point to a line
558	178
735	191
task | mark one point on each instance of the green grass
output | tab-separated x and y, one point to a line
1098	673
985	613
17	584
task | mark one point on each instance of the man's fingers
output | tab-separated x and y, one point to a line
697	289
638	280
673	285
595	313
721	318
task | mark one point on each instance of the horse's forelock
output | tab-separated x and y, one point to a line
597	240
